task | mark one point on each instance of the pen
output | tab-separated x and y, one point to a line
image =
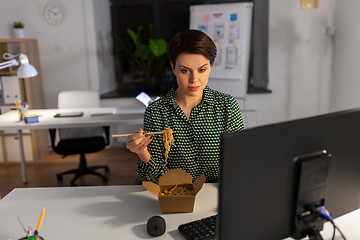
40	221
17	104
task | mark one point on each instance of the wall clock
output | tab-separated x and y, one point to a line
54	14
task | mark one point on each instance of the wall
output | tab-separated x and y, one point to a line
346	84
69	51
77	55
103	38
300	56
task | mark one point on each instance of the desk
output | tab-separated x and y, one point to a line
10	121
113	212
102	212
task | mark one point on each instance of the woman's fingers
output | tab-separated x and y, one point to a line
145	142
136	137
142	145
138	141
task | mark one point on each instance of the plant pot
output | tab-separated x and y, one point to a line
19	32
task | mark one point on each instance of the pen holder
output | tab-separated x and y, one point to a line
21	114
32	238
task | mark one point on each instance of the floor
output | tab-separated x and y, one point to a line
122	164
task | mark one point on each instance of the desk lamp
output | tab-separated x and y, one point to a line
26	70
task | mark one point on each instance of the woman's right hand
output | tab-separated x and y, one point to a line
137	143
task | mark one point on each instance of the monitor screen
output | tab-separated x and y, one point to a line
256	184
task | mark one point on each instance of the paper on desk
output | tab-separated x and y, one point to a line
145	98
102	111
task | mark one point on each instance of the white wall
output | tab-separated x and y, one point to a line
68	52
104	46
77	54
346	82
300	56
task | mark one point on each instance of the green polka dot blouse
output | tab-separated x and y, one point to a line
196	139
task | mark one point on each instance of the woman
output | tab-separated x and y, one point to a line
196	114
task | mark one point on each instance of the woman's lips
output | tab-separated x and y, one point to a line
194	88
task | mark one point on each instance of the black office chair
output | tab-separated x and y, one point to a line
71	141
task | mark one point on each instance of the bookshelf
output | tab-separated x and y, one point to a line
27	90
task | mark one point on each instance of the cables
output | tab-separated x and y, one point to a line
324	213
337	228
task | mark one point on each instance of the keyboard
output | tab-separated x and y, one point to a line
204	228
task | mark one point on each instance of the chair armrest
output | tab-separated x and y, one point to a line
52	133
107	134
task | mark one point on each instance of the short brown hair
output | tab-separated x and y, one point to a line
193	42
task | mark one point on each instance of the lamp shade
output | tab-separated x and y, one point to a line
26	70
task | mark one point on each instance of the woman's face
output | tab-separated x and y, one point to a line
192	74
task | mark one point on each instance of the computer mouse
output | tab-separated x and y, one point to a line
156	226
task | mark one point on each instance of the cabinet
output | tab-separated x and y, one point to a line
27	90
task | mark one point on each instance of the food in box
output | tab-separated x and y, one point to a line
176	190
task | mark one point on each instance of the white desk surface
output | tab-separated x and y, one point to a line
114	212
10	120
102	212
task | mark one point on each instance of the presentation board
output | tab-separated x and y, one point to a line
229	26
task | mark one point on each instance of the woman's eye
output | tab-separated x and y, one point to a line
184	70
202	70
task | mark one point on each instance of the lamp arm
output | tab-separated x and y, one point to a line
9	63
26	70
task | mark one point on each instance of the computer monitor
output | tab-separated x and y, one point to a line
256	183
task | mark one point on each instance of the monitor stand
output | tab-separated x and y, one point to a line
311	171
314	234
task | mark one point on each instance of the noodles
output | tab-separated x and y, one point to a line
177	190
168	141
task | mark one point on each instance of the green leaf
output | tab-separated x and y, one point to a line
139	30
158	46
133	36
18	24
146	52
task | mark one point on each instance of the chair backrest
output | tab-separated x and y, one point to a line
79	99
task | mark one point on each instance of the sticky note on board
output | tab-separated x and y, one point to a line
202	28
233	17
206	18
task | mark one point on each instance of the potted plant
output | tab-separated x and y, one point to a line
18	29
146	53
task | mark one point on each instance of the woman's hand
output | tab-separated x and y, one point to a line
137	143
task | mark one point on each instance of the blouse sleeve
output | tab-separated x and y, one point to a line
156	166
235	120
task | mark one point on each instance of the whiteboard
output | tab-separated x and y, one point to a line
229	26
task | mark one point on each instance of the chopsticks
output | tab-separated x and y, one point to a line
128	134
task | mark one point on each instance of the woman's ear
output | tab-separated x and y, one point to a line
172	67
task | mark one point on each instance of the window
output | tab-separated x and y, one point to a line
167	17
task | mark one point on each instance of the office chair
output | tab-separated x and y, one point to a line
71	141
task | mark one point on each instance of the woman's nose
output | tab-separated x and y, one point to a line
193	77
